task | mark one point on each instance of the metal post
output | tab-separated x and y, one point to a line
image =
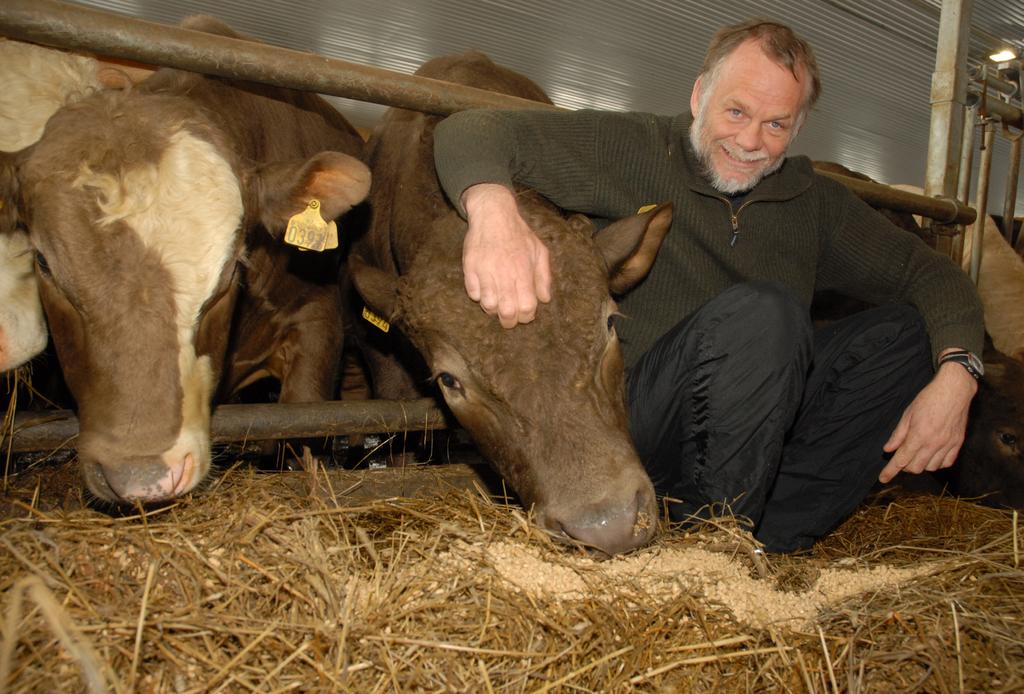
948	97
1012	176
981	201
963	189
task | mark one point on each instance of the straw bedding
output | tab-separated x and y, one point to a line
418	579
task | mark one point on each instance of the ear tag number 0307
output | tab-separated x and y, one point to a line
308	231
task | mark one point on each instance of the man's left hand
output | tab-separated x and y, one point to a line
932	428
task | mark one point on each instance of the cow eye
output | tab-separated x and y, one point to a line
44	267
448	381
1008	439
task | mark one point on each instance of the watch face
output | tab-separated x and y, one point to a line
976	364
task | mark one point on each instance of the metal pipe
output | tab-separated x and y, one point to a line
943	210
986	74
981	200
948	96
80	28
963	188
996	108
1010	198
42	431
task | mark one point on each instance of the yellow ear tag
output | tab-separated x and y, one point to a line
646	208
376	320
309	232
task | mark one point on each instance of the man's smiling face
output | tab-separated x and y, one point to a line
745	118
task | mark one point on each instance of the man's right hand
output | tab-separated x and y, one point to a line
506	266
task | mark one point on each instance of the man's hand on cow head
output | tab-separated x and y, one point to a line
506	266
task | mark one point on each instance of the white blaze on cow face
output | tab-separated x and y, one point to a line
187	209
22	327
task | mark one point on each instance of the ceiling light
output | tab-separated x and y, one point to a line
1002	56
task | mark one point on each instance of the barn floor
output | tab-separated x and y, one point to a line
424	579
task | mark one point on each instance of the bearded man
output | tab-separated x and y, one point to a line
733	396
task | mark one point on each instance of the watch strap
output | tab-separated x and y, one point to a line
966	359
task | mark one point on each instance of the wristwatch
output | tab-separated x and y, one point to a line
967	360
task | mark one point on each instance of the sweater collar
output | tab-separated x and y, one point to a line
792	178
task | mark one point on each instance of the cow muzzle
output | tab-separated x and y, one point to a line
615	524
145	479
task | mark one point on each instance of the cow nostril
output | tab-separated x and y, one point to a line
98	483
181	475
644	521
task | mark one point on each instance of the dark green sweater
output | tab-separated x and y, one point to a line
795	227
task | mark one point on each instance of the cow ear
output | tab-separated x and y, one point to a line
378	288
630	245
284	189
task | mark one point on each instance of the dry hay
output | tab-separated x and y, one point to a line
299	582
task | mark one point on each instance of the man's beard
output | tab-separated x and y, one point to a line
703	146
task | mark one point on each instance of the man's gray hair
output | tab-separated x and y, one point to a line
778	42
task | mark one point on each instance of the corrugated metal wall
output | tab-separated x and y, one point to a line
876	56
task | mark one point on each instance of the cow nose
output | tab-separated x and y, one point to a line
614	527
149	479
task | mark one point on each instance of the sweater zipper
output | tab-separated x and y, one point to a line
734	218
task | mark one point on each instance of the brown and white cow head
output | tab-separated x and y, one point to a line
543	401
138	208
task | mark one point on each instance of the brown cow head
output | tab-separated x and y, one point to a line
138	209
507	387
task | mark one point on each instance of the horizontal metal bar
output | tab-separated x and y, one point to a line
943	210
989	75
1007	113
49	430
73	27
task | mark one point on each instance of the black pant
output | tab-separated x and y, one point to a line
744	402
